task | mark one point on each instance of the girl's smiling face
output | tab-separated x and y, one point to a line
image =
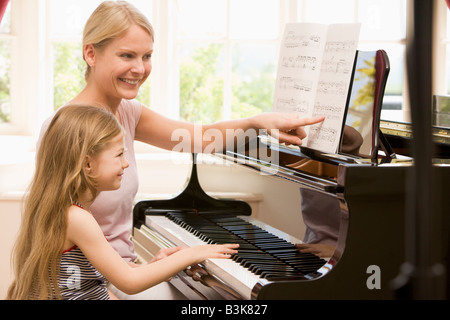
108	165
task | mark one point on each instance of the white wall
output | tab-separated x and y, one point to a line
10	207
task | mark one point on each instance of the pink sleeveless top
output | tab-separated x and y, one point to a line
113	210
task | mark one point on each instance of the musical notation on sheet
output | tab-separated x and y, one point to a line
314	73
290	83
322	137
340	46
295	40
337	65
300	62
332	87
293	105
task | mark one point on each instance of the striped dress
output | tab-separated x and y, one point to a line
78	278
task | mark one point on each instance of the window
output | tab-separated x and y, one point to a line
5	66
383	26
213	60
67	19
227	58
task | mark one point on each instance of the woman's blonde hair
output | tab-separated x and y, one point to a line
75	132
109	20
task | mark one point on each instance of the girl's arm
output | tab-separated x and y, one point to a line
84	231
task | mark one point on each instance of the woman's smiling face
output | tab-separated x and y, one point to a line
123	65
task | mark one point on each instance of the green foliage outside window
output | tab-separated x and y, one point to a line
68	72
201	84
254	95
201	87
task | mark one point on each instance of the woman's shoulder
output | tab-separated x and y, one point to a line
130	111
131	106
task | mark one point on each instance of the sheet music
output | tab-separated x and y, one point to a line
314	73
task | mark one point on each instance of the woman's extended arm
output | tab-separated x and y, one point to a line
169	134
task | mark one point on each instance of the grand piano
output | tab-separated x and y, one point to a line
365	185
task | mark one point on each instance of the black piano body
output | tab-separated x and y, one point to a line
370	249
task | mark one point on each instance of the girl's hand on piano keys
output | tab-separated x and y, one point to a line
213	251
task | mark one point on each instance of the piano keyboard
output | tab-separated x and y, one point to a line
262	256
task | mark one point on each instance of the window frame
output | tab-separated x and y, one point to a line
29	76
440	44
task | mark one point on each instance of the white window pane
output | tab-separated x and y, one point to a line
254	71
202	18
68	17
329	11
254	19
68	72
5	63
5	67
382	19
201	82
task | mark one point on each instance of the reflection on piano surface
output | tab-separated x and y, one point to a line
365	197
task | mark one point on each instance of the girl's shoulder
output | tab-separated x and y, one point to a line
82	229
79	219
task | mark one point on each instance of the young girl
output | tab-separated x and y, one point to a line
61	251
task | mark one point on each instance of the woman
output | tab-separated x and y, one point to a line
117	47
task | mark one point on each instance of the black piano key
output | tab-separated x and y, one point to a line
271	246
284	277
272	272
250	257
303	261
274	267
260	251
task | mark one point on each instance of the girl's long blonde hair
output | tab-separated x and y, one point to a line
75	132
109	20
